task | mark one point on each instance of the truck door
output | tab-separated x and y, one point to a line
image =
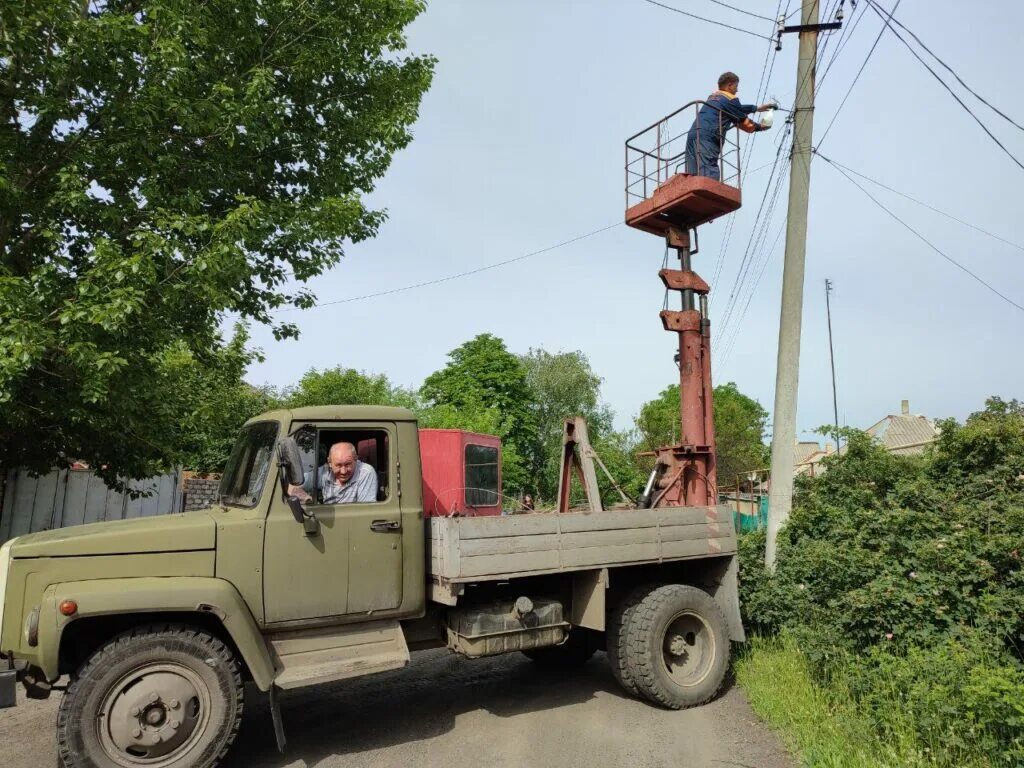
353	564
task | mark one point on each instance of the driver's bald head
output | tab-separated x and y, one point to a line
342	451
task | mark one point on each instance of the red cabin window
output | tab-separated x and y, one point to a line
481	476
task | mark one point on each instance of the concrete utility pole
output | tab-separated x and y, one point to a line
780	497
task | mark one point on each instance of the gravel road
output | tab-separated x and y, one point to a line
450	712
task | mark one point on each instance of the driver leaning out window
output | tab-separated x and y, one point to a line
343	479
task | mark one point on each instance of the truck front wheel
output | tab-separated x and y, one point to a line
165	696
677	646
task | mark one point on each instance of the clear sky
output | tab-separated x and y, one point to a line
519	146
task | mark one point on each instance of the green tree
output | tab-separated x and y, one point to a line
740	424
563	385
163	163
346	386
482	374
216	402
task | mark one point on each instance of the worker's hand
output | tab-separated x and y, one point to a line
761	127
766	107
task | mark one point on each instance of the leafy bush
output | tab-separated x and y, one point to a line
902	576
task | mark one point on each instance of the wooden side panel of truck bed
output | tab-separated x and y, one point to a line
464	549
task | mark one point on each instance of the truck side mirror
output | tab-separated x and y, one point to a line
290	461
290	467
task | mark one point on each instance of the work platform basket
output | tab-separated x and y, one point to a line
659	192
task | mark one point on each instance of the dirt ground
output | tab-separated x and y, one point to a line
451	712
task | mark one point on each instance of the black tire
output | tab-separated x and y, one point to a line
195	680
615	638
572	654
677	646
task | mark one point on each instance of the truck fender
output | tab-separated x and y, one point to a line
178	594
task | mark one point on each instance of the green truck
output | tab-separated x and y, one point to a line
157	623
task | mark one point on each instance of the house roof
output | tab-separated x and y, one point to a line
804	450
904	433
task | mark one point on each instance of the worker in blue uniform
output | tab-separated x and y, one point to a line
720	113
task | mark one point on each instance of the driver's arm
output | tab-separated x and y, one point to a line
306	490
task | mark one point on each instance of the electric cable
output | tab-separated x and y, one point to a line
458	275
762	90
949	69
731	324
856	78
923	239
741	10
844	39
743	269
945	84
709	21
764	268
912	199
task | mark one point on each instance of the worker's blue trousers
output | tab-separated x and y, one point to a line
702	157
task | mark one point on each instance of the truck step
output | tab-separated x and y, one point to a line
308	657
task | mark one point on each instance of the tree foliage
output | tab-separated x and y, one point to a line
346	386
740	424
563	386
162	163
215	401
483	375
906	571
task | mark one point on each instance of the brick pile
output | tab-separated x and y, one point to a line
199	491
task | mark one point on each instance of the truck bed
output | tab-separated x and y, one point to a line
474	549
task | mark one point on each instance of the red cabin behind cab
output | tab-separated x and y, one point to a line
461	473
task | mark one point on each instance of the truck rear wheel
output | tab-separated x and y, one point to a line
572	654
158	696
615	638
677	646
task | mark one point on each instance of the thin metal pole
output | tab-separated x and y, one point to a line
787	374
832	357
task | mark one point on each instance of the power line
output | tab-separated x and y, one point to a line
709	21
925	205
764	268
844	38
944	84
458	275
949	69
762	90
741	10
857	77
741	273
732	324
923	239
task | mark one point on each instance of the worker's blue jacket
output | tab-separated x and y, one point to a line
720	113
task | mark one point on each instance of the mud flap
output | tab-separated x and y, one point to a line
275	714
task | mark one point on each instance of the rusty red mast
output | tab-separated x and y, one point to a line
665	202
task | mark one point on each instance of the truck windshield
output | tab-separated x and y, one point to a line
247	467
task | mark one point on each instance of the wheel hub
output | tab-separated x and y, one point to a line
154	715
677	645
688	648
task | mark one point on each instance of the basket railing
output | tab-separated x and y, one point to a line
658	152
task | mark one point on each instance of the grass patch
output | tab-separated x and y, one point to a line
822	728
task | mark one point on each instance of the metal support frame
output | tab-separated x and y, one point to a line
575	435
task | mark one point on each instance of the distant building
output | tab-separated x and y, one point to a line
807	457
906	433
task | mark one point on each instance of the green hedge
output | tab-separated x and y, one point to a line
900	579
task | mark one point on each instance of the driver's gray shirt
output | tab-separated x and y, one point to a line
361	487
